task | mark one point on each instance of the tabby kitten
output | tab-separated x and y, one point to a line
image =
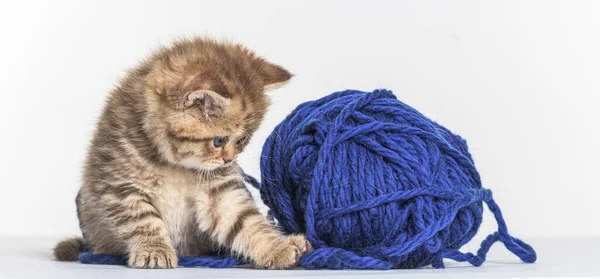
161	178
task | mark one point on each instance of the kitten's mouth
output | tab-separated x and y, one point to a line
228	164
218	164
197	164
214	164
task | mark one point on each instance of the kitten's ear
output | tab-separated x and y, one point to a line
274	75
210	103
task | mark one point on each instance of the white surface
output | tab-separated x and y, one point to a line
518	79
557	258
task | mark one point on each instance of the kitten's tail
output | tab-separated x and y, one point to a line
69	249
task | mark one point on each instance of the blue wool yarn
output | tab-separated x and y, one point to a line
214	262
374	184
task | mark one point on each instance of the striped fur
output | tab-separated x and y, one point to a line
155	186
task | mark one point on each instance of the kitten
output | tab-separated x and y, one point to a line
161	178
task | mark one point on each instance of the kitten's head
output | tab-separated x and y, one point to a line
206	99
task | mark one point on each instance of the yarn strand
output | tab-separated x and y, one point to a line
521	249
214	262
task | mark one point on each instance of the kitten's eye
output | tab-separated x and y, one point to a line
241	141
219	141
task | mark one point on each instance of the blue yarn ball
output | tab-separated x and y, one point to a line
375	184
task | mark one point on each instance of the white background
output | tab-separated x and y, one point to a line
518	79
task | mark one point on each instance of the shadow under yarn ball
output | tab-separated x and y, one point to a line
375	184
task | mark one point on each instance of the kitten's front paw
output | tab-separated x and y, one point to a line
153	257
285	254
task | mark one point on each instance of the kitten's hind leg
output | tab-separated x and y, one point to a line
139	225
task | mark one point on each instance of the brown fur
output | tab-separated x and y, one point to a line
155	186
68	249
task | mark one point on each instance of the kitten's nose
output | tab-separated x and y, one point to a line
228	154
227	159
